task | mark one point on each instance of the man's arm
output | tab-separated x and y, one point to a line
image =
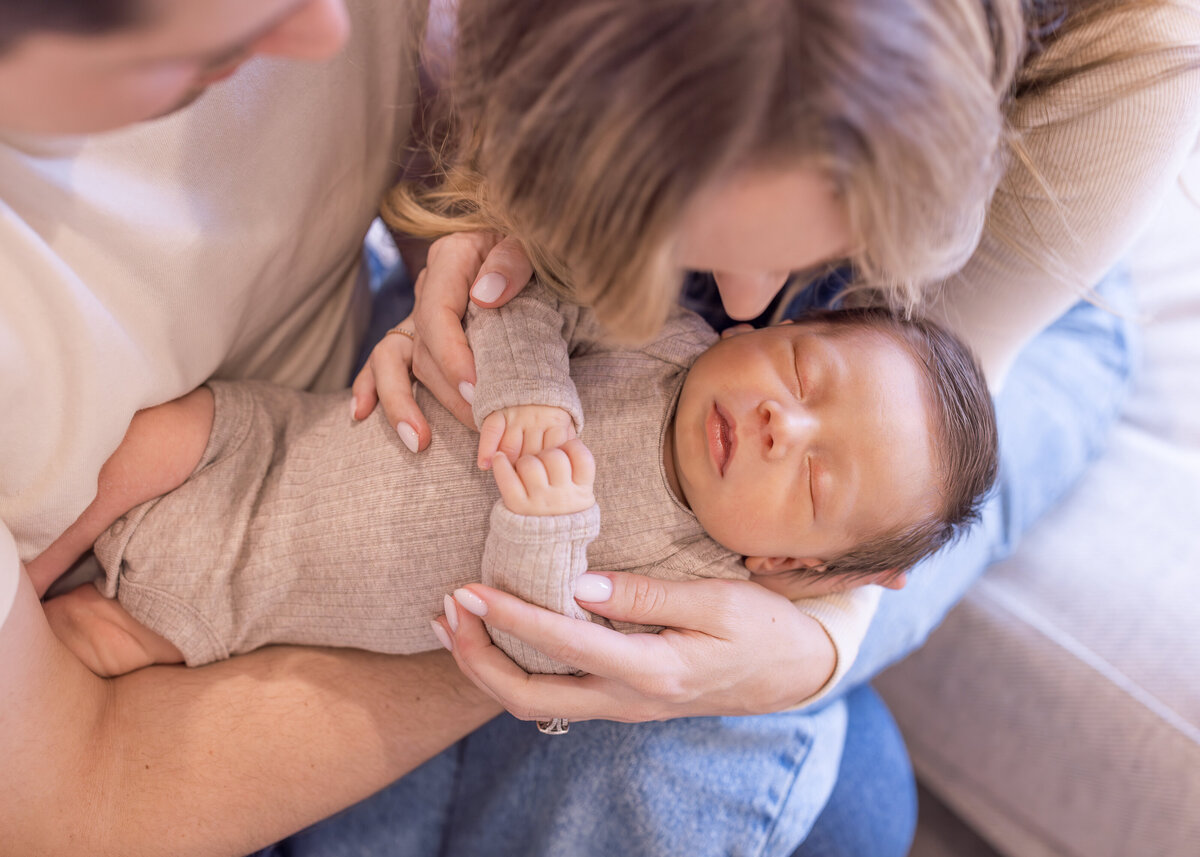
213	761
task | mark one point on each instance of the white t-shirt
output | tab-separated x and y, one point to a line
224	240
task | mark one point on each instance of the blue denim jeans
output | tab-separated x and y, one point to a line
757	785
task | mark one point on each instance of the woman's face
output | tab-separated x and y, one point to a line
756	227
66	83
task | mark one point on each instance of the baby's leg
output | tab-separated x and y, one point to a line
160	450
101	634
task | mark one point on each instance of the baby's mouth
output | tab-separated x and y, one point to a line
721	438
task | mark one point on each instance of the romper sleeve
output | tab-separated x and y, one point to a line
1103	148
538	559
522	352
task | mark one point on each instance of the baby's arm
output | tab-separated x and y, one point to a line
540	530
159	452
522	358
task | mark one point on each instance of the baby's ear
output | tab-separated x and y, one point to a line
777	564
893	578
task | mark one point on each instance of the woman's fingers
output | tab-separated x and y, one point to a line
535	697
475	264
644	658
443	360
388	368
504	272
711	607
363	397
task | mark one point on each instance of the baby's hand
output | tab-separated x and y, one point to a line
554	482
523	430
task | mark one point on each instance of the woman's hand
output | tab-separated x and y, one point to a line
476	265
729	647
386	378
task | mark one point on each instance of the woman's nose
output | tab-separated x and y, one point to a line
745	296
786	426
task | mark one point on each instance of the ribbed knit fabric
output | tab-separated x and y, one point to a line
518	547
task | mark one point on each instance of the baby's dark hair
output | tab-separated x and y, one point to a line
966	448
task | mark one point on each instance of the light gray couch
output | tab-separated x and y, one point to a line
1057	709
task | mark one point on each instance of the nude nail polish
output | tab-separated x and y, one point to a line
443	637
408	436
470	602
489	287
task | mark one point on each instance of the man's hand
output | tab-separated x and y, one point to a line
554	482
523	430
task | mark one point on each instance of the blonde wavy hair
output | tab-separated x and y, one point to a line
584	128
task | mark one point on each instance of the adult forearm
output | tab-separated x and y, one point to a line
225	759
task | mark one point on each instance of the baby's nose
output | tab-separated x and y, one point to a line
786	426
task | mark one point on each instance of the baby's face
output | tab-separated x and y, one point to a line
797	442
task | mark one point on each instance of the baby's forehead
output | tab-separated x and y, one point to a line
870	331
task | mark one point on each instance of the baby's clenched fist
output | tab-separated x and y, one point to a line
556	481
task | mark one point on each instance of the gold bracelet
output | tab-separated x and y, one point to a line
403	332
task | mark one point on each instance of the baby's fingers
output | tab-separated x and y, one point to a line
512	489
535	471
583	465
490	435
552	466
516	441
558	435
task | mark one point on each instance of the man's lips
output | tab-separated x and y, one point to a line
722	439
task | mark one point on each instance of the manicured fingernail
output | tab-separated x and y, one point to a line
470	601
467	390
443	637
354	407
408	435
489	287
451	611
593	587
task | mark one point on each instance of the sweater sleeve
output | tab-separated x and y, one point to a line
522	352
538	559
845	616
1103	148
